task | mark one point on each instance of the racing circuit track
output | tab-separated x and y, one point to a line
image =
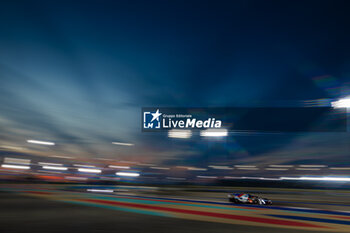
51	208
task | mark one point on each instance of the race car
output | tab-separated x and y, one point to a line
245	198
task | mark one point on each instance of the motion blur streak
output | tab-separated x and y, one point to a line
55	168
83	165
339	168
276	169
17	161
15	166
50	164
101	190
130	174
326	178
196	169
174	133
119	167
289	166
88	170
248	168
307	169
208	177
220	167
214	133
312	166
317	178
122	144
160	168
41	142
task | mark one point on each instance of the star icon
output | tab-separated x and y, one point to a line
156	115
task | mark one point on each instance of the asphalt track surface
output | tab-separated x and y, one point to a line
41	208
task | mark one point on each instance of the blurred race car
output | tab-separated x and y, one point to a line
245	198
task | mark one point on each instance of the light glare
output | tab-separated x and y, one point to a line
342	103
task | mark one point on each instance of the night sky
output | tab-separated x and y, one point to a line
78	73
